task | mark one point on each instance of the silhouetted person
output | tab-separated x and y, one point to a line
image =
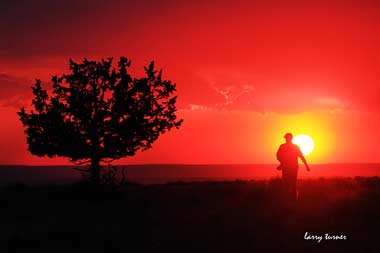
288	154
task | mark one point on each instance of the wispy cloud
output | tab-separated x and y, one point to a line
232	93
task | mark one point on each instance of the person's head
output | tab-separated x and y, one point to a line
288	137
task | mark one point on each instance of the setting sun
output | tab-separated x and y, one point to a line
305	142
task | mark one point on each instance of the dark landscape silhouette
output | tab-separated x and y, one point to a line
234	216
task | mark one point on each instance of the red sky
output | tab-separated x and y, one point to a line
246	71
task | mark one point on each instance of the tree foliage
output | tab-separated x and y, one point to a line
99	112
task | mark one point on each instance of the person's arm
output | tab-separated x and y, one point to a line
300	154
304	162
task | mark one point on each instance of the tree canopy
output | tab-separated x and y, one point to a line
99	112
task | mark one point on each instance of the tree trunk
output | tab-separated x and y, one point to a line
95	170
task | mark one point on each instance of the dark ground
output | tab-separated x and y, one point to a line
240	216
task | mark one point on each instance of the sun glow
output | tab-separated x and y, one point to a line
305	142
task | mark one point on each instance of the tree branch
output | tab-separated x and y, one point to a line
110	160
82	162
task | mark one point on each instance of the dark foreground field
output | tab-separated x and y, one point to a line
241	216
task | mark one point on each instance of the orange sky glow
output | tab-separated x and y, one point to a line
246	72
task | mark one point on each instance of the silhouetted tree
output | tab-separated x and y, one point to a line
99	113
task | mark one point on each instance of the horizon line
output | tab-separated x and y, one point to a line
192	164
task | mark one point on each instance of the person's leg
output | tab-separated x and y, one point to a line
286	183
293	183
